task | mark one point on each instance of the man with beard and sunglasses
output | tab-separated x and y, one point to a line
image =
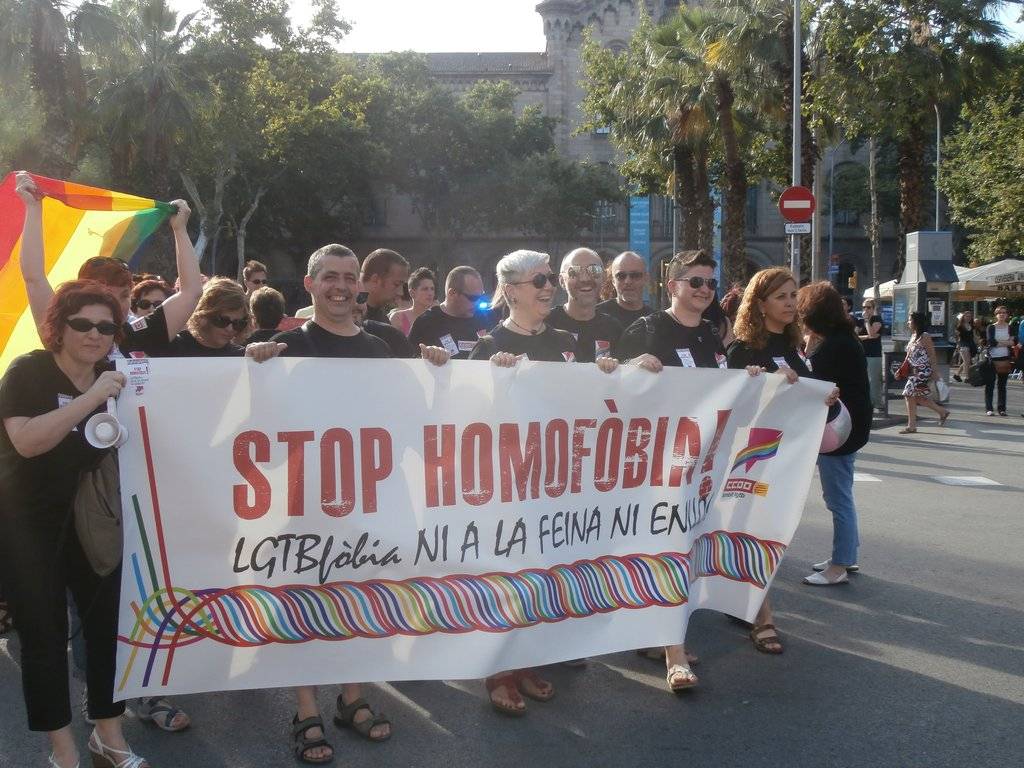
629	276
457	322
580	275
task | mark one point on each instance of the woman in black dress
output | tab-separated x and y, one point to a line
527	285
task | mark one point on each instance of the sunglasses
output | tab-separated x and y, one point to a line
258	280
147	304
629	275
540	280
80	324
593	271
220	321
699	282
474	298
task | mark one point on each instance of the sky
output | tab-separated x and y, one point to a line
459	25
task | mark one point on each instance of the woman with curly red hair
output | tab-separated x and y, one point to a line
768	336
46	396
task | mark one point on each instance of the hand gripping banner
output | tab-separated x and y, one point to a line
326	521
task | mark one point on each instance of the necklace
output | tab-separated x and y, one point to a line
528	330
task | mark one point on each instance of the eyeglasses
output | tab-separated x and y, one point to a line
80	324
147	304
623	276
539	280
222	321
698	282
258	280
593	271
473	298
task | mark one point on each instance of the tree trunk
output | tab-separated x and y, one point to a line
209	217
874	225
240	235
911	183
734	198
682	159
704	204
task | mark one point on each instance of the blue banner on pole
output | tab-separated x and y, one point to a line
640	227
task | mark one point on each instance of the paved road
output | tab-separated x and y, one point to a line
918	663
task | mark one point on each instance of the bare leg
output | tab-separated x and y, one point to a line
911	413
307	706
62	744
352	691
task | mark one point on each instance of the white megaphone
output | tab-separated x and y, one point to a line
103	430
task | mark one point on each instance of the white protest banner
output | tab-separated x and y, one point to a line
324	521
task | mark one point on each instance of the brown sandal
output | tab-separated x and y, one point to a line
771	644
346	718
514	706
538	690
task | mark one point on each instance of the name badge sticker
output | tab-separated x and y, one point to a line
686	358
780	362
64	400
602	348
466	346
722	360
449	344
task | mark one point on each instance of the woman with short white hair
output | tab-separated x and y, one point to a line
527	285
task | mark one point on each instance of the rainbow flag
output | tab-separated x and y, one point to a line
761	446
79	222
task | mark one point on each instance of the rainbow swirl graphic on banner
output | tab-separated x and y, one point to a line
762	445
246	616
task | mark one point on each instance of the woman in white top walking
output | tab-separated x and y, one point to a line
1000	341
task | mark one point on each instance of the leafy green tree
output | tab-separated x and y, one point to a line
983	168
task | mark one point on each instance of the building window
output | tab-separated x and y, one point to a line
377	213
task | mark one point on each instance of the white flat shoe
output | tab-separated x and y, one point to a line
826	563
821	580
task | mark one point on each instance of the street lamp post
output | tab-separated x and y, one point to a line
794	262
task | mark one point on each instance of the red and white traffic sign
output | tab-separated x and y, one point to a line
796	204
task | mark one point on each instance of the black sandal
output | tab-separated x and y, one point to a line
346	718
302	743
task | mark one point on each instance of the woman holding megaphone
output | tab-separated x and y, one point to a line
46	400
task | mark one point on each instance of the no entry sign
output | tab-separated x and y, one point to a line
796	204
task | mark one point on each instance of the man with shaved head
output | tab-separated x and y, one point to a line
457	322
629	276
581	275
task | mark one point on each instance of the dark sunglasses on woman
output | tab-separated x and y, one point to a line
540	279
80	324
147	304
223	322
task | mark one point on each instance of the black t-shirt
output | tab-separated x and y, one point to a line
147	335
377	314
552	346
394	338
872	347
777	350
458	335
594	338
43	485
263	334
839	358
313	341
626	317
186	345
672	343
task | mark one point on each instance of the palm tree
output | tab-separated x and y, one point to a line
41	40
143	104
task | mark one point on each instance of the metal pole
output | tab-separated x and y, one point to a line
938	161
831	203
675	236
794	261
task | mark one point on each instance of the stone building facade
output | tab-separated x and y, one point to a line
552	79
